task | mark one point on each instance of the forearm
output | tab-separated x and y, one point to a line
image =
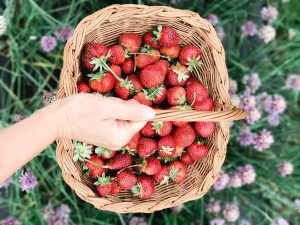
26	139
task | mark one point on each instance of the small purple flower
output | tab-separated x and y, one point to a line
235	180
246	137
248	100
244	222
220	32
28	181
6	183
254	115
18	117
57	220
274	120
213	19
231	212
248	174
281	221
267	33
48	43
263	140
217	221
214	206
269	13
285	168
297	204
252	82
293	82
11	221
173	1
137	220
249	28
264	99
221	182
47	97
63	211
177	208
277	105
48	212
64	33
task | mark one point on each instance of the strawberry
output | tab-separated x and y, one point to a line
176	96
151	165
123	88
206	105
83	87
162	128
166	147
91	51
120	161
105	153
116	69
143	99
178	150
126	179
97	167
162	177
149	39
166	36
115	189
164	65
196	93
146	147
178	123
184	136
117	54
103	185
152	76
101	82
191	80
205	129
130	41
178	171
132	144
145	59
148	130
177	76
190	56
144	188
127	66
197	151
133	78
170	51
161	95
186	159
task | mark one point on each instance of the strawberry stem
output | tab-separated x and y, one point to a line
109	69
127	168
162	56
96	164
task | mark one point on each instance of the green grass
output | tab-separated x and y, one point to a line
27	71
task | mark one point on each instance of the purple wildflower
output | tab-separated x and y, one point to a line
244	222
137	220
48	212
173	1
297	204
217	221
264	99
220	32
252	81
28	181
177	208
48	43
235	180
214	206
247	100
254	115
246	137
64	33
248	174
293	82
281	221
6	183
233	86
263	140
249	29
11	221
57	220
267	33
277	105
269	13
231	212
285	168
47	97
17	117
213	19
63	211
221	182
274	120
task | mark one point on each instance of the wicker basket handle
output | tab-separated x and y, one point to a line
193	115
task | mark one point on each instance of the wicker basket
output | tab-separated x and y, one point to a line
105	26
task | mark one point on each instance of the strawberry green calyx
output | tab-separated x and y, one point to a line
100	62
127	84
169	159
137	189
157	126
157	33
167	150
173	173
96	76
194	63
151	93
165	180
182	76
82	151
184	107
103	180
181	100
103	151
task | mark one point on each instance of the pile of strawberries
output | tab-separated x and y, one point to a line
156	71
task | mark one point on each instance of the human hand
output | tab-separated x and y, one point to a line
103	121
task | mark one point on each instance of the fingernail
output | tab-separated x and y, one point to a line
148	113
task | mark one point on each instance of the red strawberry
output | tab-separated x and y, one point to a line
178	123
91	51
105	153
149	39
146	59
117	54
184	136
83	87
170	51
146	147
120	161
205	129
162	176
176	96
178	150
145	187
162	128
152	76
177	76
126	179
191	80
164	65
103	185
102	82
190	56
123	88
167	36
166	146
132	144
196	93
186	159
130	41
197	151
151	166
161	95
137	86
143	99
116	69
97	167
178	171
205	105
148	130
115	189
127	66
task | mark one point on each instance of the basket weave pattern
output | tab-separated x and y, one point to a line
106	26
